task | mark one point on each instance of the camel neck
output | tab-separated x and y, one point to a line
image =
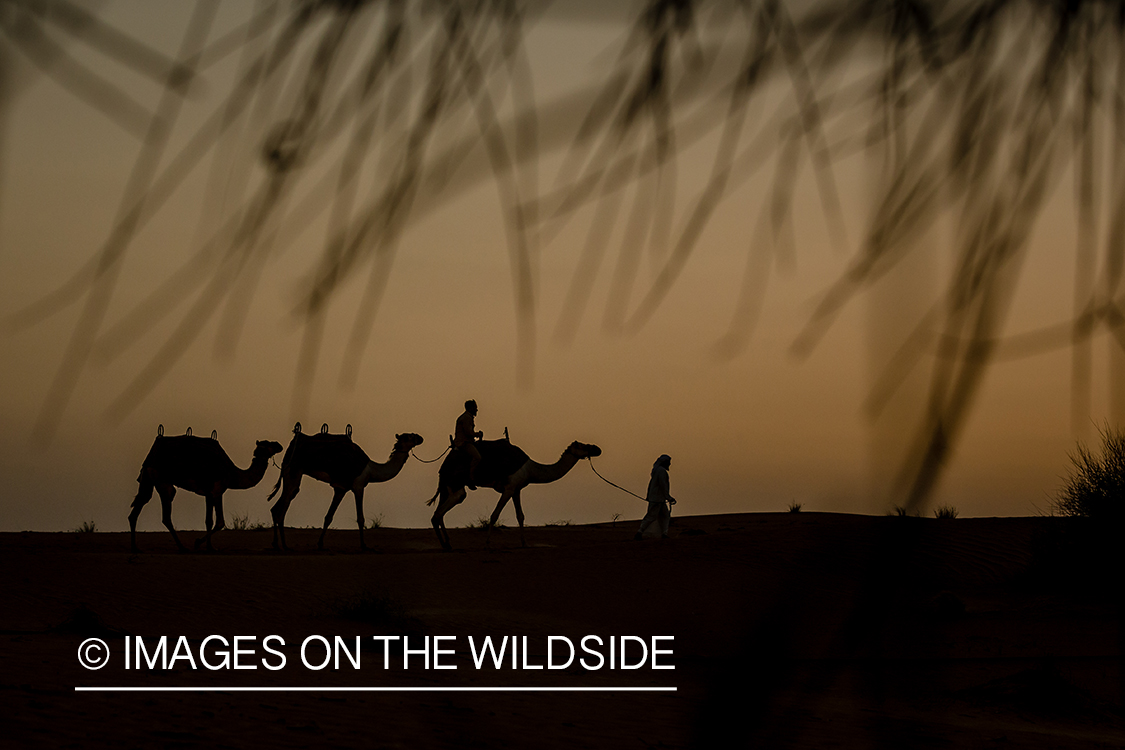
249	477
538	473
376	472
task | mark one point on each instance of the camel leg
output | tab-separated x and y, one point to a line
455	499
220	521
445	504
337	495
436	521
288	492
167	494
278	513
214	507
504	496
208	518
359	515
144	494
519	516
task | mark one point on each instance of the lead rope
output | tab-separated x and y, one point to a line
634	494
432	459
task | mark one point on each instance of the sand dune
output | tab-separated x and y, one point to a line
793	630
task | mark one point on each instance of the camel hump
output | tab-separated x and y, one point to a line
502	454
172	453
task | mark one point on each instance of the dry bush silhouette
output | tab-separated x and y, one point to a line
1081	552
1095	487
482	524
375	114
242	522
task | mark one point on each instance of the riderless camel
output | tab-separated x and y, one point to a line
334	459
198	465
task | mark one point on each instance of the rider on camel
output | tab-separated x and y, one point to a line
464	436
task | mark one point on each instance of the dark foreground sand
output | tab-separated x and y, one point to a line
791	631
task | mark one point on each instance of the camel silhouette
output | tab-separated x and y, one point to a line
199	465
503	467
337	460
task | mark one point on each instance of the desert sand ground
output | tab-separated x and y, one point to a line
802	630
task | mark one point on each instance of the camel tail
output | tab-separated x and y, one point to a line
276	487
286	460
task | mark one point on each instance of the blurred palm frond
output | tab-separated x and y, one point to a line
972	114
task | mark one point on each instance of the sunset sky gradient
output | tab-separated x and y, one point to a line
756	431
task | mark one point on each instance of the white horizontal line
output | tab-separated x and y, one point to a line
263	689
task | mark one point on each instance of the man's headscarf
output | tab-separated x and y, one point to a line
663	462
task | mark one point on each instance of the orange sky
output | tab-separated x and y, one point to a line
751	434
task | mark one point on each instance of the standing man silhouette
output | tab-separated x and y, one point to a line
463	436
659	498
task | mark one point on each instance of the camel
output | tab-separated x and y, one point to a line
334	459
503	467
199	465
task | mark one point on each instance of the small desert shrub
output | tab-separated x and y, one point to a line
242	522
482	523
1095	488
615	518
945	511
1082	551
559	523
87	527
794	507
376	522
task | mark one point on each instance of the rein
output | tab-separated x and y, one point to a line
634	494
432	459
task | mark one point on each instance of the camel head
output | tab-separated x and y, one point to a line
584	450
267	449
406	441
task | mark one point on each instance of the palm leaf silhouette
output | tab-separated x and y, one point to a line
375	114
